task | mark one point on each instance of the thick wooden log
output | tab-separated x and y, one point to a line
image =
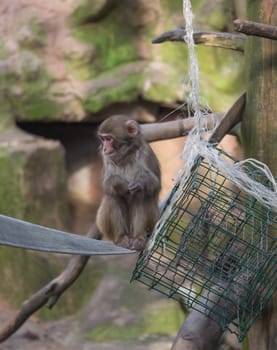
176	128
181	127
259	133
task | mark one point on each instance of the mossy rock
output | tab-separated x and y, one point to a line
156	320
122	84
33	188
11	195
97	38
32	35
33	171
91	10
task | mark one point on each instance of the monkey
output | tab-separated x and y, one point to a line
131	184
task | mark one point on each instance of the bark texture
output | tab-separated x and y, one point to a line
259	133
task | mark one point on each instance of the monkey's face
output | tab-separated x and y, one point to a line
120	139
106	144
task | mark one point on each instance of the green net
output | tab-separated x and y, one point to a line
215	251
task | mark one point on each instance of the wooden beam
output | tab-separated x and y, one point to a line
176	128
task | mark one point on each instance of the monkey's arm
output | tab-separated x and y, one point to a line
147	176
145	181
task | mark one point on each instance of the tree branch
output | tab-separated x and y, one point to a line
48	295
217	39
256	29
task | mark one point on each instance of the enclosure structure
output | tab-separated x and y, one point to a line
214	248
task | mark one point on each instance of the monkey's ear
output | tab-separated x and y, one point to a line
132	127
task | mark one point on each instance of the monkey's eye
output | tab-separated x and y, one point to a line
105	138
108	138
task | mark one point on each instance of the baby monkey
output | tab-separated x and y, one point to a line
131	184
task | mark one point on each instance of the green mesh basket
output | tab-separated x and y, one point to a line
215	250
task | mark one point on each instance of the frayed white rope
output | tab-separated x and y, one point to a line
238	174
195	146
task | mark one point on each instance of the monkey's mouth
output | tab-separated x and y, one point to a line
109	153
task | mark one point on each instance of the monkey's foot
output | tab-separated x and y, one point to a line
132	243
125	242
138	244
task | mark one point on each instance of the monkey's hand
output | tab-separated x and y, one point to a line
116	186
124	241
133	243
137	244
147	185
135	186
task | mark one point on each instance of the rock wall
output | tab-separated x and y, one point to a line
68	60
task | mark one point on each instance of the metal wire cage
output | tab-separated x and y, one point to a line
215	250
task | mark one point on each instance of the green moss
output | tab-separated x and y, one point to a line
74	298
33	36
32	271
245	345
34	104
164	87
221	74
221	70
127	89
47	207
158	320
114	48
175	55
123	54
217	19
20	198
3	49
11	198
165	320
26	98
113	45
172	6
90	10
6	119
111	333
254	10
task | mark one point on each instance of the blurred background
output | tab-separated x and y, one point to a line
66	65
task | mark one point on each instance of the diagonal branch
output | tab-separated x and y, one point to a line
47	295
217	39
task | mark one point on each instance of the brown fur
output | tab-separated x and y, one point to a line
131	183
